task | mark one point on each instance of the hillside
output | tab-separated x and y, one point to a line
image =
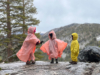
88	34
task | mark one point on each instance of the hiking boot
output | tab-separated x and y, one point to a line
73	62
52	61
56	61
28	63
33	62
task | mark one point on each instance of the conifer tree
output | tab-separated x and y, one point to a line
15	17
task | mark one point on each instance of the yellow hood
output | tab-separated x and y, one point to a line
75	36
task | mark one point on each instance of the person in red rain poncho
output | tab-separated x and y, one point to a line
53	47
26	53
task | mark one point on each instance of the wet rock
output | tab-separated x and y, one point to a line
96	71
45	68
89	54
68	67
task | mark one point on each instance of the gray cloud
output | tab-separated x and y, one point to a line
57	13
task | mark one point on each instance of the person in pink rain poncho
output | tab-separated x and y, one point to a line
26	53
53	47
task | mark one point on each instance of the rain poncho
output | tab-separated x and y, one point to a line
26	53
53	47
74	47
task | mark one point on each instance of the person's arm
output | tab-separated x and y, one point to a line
39	42
75	47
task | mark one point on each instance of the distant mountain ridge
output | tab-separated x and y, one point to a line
87	32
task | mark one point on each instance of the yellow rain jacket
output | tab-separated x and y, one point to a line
74	47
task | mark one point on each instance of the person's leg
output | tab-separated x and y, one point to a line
71	62
52	60
33	58
56	61
74	60
28	61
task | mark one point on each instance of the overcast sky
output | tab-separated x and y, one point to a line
57	13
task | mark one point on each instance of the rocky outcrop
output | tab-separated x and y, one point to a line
89	54
45	68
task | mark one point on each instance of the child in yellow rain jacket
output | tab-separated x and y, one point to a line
74	48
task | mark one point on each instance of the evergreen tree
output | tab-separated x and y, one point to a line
5	23
16	16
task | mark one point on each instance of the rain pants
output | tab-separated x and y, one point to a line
53	47
74	47
26	53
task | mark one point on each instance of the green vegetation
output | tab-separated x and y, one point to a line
0	59
15	17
